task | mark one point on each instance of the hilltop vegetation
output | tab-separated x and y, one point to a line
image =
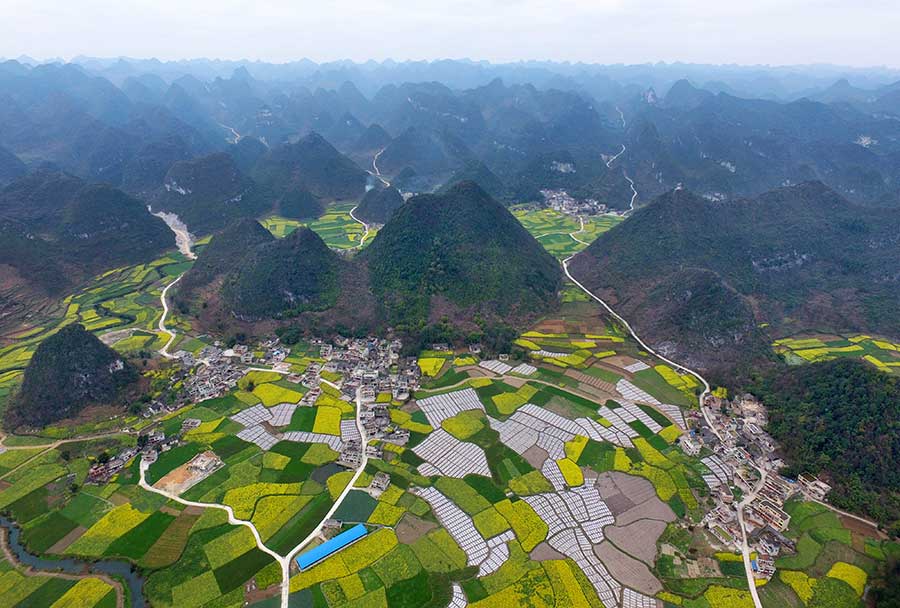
443	266
300	204
699	277
840	418
224	251
209	192
311	164
459	254
284	277
378	205
69	370
476	171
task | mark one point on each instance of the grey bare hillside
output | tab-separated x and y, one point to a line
69	371
700	278
459	255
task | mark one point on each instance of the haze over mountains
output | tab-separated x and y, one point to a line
217	142
728	131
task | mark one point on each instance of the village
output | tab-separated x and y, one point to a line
726	435
562	201
743	457
361	369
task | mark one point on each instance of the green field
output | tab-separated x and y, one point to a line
336	227
554	229
880	352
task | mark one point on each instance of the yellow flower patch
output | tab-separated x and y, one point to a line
575	447
850	574
328	420
571	472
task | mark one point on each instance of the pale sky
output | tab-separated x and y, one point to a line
776	32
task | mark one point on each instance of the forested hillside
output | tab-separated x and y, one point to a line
459	254
841	419
700	278
69	370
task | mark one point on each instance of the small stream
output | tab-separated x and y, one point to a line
115	568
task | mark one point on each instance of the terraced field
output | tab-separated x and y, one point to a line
554	229
336	227
123	303
880	352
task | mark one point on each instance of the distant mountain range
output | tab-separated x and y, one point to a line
710	282
742	132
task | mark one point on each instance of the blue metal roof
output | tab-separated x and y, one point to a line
305	560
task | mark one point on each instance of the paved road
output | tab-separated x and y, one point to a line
751	582
580	230
613	159
745	548
365	235
236	137
164	351
285	563
283	560
343	494
185	241
634	192
375	171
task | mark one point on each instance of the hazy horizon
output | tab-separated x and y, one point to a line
609	32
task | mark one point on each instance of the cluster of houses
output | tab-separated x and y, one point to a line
739	443
223	368
148	445
562	201
368	368
371	366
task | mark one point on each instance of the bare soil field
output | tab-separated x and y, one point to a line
545	553
412	528
632	498
62	544
187	475
627	570
638	539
